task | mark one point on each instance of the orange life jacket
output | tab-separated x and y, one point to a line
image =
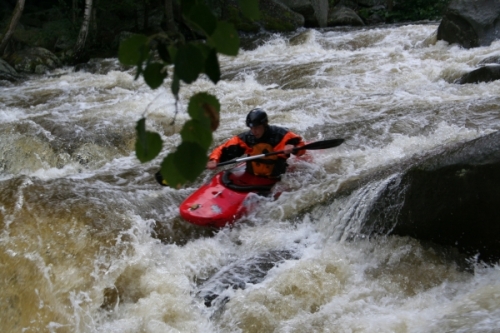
274	139
263	166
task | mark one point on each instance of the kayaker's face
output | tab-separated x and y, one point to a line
258	131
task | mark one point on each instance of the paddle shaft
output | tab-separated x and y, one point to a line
310	146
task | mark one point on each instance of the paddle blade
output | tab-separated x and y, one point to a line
322	144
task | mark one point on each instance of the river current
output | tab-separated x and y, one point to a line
89	242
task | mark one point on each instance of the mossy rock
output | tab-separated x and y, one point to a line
277	17
34	60
7	72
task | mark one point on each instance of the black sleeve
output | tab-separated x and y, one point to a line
293	141
228	153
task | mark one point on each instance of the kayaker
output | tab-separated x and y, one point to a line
260	139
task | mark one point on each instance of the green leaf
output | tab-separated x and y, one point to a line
187	5
204	49
197	132
139	71
212	68
190	160
205	108
202	18
250	8
164	53
133	50
154	74
185	164
189	63
148	144
170	173
225	39
172	51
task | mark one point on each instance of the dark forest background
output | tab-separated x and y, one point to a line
55	24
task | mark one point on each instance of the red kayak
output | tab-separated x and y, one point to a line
228	196
225	198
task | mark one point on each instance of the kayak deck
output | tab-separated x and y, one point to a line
224	199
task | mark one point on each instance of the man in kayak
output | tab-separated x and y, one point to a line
262	138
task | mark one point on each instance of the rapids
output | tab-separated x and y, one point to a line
91	243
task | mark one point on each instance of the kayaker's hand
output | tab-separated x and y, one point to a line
212	164
288	149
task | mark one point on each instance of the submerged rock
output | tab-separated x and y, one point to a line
101	66
237	275
482	74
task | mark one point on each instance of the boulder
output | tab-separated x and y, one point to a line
238	274
321	11
33	60
482	74
7	72
450	198
315	12
274	17
341	15
304	8
471	23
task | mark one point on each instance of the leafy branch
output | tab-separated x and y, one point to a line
152	55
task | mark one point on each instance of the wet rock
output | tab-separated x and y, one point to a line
482	74
111	299
274	16
376	15
33	60
490	60
315	12
277	17
238	274
451	198
7	72
471	23
340	15
100	66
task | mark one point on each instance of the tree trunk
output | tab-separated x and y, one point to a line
169	15
389	5
84	30
18	10
74	10
93	21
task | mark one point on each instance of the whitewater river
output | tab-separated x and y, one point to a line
90	242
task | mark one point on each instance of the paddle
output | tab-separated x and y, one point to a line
310	146
324	144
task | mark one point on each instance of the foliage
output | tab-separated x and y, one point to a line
152	55
417	10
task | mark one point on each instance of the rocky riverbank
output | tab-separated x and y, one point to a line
44	37
49	28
